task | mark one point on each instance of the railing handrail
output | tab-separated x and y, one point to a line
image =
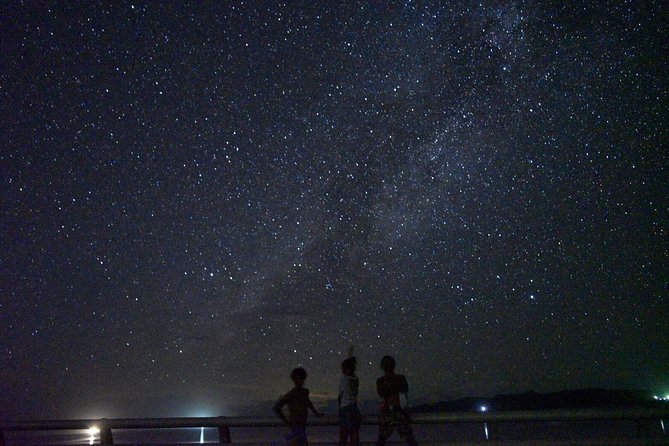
423	418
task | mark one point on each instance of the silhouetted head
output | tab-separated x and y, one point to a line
348	365
298	375
388	364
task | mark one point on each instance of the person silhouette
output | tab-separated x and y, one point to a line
347	399
392	415
298	402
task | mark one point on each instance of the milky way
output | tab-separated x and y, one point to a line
197	198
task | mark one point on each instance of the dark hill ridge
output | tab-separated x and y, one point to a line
566	399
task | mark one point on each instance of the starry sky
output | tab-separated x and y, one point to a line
197	197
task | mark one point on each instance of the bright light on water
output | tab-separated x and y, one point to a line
92	431
201	435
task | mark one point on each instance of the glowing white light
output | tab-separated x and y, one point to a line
201	435
483	408
92	431
656	397
485	428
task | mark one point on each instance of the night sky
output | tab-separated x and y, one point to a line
197	198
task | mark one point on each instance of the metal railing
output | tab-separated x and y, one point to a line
223	424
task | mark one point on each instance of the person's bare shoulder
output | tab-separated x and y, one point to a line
290	395
300	393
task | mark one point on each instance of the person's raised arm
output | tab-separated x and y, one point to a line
278	410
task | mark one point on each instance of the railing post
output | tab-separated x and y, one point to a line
224	434
106	435
486	430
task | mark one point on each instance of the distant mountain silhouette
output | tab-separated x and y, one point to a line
567	399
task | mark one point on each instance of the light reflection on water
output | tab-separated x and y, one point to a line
121	436
59	437
93	432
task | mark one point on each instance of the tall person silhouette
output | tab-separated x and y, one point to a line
393	415
347	399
